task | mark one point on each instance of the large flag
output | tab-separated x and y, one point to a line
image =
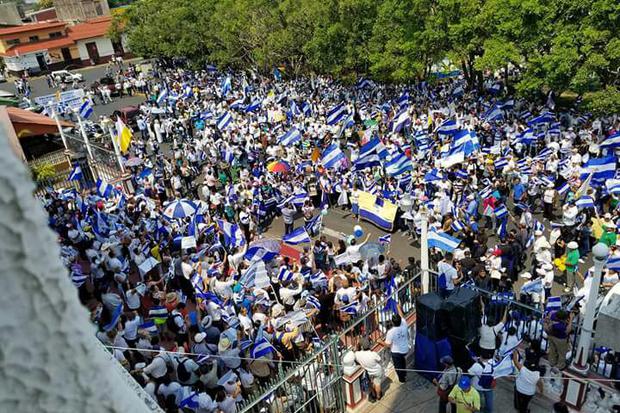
533	286
291	137
255	276
332	156
123	135
336	114
232	233
297	236
104	189
86	109
261	347
612	141
380	212
601	168
401	120
398	164
76	173
442	241
448	127
223	121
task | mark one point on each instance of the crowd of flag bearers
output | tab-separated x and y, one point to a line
192	297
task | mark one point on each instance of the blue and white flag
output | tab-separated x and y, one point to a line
500	163
613	186
256	253
457	226
374	146
562	189
318	279
367	160
285	275
261	347
612	141
546	117
385	239
76	173
163	97
585	202
553	303
448	127
391	303
86	109
104	189
601	168
314	225
226	86
290	138
352	308
150	327
401	120
223	121
364	83
255	276
332	156
238	104
306	109
613	263
255	105
398	164
533	286
296	237
442	241
336	114
228	155
500	212
232	233
504	367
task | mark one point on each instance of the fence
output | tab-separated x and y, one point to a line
315	383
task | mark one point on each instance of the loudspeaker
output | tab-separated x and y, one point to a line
463	314
428	353
431	318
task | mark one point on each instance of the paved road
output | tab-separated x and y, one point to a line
91	74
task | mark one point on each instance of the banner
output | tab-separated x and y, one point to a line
71	99
379	211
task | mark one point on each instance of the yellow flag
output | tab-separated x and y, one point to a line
123	135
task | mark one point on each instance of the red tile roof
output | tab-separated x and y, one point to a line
30	27
37	46
97	27
18	115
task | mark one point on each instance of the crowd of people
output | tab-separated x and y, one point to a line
192	297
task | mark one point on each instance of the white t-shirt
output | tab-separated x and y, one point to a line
526	381
487	335
131	328
370	361
476	370
398	338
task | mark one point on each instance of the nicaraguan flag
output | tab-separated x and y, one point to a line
290	138
314	225
448	127
613	263
306	109
228	156
76	173
223	121
553	303
442	241
500	163
297	236
104	189
601	168
237	104
546	117
391	303
163	97
399	164
285	275
352	308
318	279
332	156
612	141
226	86
255	105
367	160
150	327
259	253
401	120
585	202
386	239
336	114
500	212
494	113
374	146
255	276
533	286
261	347
457	226
364	83
232	233
86	109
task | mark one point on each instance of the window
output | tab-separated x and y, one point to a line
54	35
12	42
34	38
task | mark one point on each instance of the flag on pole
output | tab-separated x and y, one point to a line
297	236
86	109
123	135
442	241
76	173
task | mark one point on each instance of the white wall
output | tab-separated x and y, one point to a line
25	61
104	46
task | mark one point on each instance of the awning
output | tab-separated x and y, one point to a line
28	123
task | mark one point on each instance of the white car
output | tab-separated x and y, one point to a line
66	76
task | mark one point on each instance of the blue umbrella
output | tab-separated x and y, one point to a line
180	209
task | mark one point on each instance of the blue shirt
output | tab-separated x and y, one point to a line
518	191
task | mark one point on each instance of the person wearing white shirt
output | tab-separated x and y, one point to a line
397	339
526	383
130	332
371	362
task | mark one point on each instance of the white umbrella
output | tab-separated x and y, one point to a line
180	209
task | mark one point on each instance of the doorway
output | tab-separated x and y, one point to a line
41	61
66	55
93	53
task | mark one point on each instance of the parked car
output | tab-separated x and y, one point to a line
129	115
109	83
66	76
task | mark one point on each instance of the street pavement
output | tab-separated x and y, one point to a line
39	87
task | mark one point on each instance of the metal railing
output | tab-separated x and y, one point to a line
315	384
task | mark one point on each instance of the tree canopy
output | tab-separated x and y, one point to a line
555	45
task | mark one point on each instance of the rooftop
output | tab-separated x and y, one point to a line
96	27
37	46
30	27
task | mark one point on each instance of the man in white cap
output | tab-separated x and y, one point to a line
572	261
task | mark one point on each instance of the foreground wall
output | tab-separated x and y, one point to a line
50	360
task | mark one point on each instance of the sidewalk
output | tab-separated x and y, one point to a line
418	395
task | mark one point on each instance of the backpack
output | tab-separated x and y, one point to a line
182	373
170	323
486	380
442	282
